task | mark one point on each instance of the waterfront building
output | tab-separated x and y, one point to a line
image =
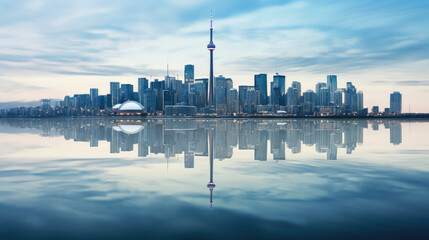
395	103
129	108
180	110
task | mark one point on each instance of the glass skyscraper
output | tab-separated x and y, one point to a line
261	87
115	92
189	73
395	102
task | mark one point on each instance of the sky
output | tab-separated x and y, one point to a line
50	49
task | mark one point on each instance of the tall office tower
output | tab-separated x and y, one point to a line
396	102
242	99
338	97
211	47
158	87
205	85
126	92
309	102
149	101
375	110
332	86
251	100
115	92
319	86
67	101
143	85
220	94
232	100
350	102
324	96
359	101
261	87
280	82
189	73
275	96
292	97
297	85
94	97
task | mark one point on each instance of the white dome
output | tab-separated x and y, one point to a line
116	106
131	106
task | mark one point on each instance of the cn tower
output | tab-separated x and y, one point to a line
211	47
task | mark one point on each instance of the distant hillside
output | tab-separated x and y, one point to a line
7	105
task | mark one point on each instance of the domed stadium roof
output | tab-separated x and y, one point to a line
116	106
131	106
128	129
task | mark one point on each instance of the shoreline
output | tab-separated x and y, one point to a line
423	116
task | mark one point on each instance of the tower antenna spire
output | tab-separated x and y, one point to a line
211	20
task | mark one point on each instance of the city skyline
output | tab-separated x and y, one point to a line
376	58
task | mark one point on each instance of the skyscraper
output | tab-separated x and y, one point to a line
280	81
189	73
319	86
261	87
143	85
232	100
350	101
332	86
115	92
211	47
359	102
395	102
242	99
278	89
126	92
94	97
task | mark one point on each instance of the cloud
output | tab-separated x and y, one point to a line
412	83
12	86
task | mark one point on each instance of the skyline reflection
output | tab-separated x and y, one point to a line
190	137
266	178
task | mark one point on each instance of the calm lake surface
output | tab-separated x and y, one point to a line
213	179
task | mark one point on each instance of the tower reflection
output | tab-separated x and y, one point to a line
211	185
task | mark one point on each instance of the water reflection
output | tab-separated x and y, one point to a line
190	137
380	192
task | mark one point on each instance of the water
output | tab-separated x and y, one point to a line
121	179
